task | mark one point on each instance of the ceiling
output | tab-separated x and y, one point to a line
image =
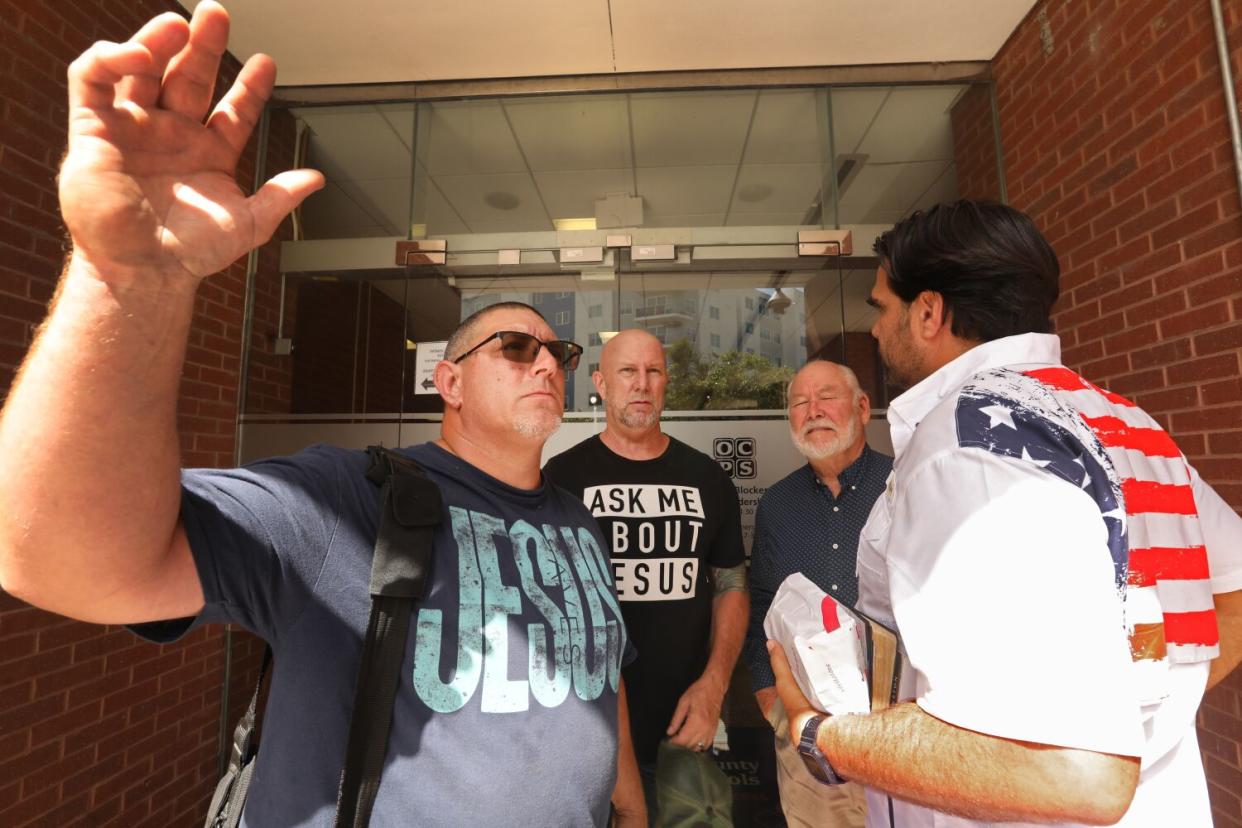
722	157
377	41
696	159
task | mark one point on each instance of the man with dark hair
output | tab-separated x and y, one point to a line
809	522
672	516
519	631
995	270
1061	578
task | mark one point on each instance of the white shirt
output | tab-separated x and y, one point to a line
997	575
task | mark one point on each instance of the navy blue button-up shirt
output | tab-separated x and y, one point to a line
801	527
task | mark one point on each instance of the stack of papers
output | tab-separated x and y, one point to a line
844	660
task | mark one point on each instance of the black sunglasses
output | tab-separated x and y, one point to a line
523	348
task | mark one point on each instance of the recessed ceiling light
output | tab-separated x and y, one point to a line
574	224
502	200
754	192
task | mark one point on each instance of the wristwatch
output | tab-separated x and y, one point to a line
814	759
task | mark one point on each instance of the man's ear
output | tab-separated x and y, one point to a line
600	384
864	408
447	377
928	315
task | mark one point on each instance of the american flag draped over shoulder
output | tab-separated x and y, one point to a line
1139	480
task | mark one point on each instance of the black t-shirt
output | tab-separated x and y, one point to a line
667	521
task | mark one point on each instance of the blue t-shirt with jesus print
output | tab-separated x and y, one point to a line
507	709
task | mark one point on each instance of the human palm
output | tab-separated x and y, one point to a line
148	188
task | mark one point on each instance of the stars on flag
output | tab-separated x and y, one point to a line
1026	455
998	415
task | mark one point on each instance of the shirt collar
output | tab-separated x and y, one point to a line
849	476
906	411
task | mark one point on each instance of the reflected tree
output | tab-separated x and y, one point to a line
728	381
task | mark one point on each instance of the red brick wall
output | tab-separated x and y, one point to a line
974	144
1115	140
96	727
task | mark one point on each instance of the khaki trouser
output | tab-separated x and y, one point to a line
806	801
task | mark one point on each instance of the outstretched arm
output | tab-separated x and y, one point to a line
914	756
89	491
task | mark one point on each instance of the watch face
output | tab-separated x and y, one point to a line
817	770
816	762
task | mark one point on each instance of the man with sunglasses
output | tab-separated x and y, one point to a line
510	698
671	515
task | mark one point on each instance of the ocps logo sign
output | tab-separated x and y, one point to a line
737	456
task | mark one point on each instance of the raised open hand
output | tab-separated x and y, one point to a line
148	189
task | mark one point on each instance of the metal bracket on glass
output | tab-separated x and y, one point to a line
421	252
825	243
653	253
581	255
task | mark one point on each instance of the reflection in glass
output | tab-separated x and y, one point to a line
350	338
728	348
858	157
365	154
479	173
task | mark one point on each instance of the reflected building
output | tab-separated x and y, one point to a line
713	322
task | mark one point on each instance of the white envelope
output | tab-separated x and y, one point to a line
824	644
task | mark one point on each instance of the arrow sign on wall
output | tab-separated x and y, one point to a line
427	355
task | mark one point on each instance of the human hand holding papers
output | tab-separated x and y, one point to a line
843	660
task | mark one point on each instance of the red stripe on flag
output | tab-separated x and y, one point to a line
1191	628
1115	399
1114	432
1063	379
1170	564
1145	496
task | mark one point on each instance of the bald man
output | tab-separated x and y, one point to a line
671	516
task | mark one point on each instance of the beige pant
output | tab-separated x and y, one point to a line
806	801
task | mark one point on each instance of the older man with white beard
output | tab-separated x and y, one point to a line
809	522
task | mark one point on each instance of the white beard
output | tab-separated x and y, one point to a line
844	438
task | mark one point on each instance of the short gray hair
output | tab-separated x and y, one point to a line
851	379
461	338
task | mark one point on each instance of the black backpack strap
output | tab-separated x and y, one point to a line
229	798
410	511
243	734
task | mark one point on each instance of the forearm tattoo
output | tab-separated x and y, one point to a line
731	579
